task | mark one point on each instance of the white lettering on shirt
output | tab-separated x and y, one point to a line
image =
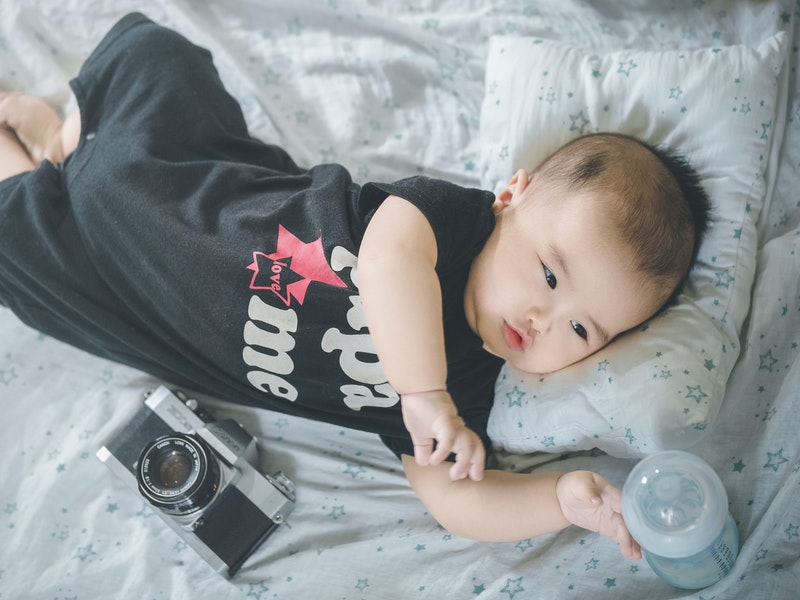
269	335
358	358
274	341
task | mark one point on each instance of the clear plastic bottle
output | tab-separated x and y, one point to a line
676	507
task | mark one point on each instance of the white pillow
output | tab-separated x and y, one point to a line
662	385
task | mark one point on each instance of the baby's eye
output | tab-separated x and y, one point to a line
549	277
579	329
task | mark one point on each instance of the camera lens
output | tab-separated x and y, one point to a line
173	469
177	474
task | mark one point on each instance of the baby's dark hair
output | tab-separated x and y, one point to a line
661	209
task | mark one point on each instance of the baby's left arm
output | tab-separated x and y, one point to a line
509	507
402	302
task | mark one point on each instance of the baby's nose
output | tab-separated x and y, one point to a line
539	320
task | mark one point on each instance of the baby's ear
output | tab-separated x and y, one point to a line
514	189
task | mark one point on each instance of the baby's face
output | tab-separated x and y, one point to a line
553	285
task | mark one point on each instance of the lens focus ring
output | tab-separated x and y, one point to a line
177	474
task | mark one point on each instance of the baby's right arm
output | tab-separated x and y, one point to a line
402	301
506	507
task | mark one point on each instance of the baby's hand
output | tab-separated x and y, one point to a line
589	501
430	416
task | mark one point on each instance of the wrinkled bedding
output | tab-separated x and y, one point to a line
389	90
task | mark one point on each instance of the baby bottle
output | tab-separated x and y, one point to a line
676	507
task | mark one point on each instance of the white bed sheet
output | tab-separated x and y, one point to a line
388	89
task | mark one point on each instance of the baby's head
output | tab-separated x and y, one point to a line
653	197
594	242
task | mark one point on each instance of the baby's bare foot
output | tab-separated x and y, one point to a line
35	124
13	157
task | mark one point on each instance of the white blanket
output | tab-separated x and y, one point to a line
389	89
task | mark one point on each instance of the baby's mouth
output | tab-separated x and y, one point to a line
514	338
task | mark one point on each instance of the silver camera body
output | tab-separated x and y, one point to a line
199	476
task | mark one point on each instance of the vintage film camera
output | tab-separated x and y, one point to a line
199	476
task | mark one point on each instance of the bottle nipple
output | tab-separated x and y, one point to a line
674	504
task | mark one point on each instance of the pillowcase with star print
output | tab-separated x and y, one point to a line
660	386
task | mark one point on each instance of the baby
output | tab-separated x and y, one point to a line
150	228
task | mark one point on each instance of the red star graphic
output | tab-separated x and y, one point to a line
307	264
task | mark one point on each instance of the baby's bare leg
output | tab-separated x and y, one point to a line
38	128
13	157
70	132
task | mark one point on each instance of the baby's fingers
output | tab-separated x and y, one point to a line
423	448
628	547
477	464
470	458
444	448
422	454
